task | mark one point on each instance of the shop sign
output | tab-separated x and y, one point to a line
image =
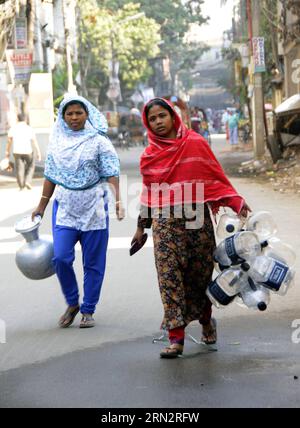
19	63
258	44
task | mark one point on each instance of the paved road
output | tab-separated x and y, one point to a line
116	364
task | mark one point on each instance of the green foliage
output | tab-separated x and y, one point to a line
112	34
175	18
60	80
105	27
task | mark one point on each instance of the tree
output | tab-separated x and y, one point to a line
7	16
110	34
290	33
174	18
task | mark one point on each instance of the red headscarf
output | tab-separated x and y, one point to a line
175	170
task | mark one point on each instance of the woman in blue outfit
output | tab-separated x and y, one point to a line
81	164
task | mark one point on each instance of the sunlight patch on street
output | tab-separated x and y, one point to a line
8	233
115	243
14	202
218	136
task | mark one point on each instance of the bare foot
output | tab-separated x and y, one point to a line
209	332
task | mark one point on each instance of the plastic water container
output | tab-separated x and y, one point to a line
272	273
263	224
228	225
275	248
255	296
219	268
226	287
237	248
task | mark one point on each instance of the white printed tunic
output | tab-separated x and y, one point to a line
88	209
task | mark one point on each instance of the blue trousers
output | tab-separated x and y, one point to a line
94	246
234	136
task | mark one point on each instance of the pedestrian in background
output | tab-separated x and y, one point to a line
25	148
183	251
233	123
81	160
225	118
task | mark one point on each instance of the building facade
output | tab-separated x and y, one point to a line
34	38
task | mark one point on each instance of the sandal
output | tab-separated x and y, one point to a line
87	321
172	351
68	317
210	337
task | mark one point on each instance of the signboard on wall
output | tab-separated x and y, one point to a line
258	44
21	33
19	63
17	37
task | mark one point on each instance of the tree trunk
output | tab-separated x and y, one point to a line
30	9
83	65
7	19
71	86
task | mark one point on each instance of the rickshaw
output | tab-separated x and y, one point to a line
131	130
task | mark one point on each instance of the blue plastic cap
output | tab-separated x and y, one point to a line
262	306
229	228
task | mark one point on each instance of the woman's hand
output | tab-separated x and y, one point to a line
138	235
37	211
120	210
48	189
245	210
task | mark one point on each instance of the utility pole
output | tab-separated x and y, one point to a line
258	130
84	58
71	87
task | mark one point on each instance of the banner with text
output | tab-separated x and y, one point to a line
258	44
19	63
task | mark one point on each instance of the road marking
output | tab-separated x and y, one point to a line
114	243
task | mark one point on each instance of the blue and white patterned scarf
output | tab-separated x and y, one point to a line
66	163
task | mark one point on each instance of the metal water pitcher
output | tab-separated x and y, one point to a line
34	258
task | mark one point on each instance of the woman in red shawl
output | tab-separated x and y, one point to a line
182	179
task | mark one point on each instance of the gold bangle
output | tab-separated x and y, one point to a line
118	202
45	197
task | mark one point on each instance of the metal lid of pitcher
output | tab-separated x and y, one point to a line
26	224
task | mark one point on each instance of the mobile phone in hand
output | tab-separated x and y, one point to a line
136	246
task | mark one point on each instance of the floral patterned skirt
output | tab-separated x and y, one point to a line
184	263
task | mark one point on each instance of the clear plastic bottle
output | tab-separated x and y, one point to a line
255	296
237	248
263	224
271	273
228	225
219	268
274	247
226	287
